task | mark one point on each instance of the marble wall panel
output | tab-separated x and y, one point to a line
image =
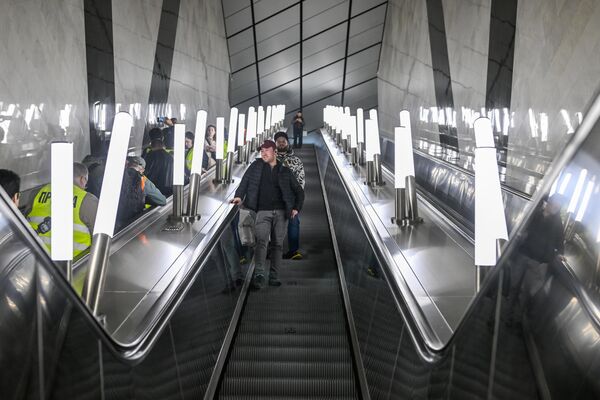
555	76
135	31
200	73
405	77
43	89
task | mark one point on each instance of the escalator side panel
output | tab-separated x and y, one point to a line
393	366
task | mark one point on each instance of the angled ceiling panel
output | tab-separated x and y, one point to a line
267	8
322	83
365	38
313	113
233	6
239	21
279	61
304	54
279	77
278	42
329	16
363	5
243	107
240	42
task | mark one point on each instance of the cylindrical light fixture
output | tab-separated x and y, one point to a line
178	170
196	172
220	147
240	138
260	121
404	165
490	221
61	205
268	120
106	213
251	132
360	134
233	120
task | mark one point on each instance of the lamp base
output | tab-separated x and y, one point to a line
190	219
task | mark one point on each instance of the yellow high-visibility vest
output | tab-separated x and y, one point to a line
40	211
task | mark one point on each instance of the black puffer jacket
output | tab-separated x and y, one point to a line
159	169
291	191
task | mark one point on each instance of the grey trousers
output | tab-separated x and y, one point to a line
271	224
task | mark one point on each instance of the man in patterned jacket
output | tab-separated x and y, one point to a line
286	156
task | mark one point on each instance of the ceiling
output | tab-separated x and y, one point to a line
304	54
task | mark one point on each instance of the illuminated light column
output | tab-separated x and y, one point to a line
106	215
346	131
61	206
233	119
240	138
353	141
268	132
377	176
490	221
196	172
360	132
220	149
251	134
406	212
178	170
260	124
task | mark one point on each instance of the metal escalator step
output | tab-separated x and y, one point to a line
287	369
266	326
293	354
320	388
291	340
304	316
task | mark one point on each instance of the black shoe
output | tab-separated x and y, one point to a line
287	256
274	282
257	282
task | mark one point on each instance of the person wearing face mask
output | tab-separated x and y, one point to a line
273	193
84	212
286	156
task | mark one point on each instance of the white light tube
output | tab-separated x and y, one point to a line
241	126
220	145
404	164
370	127
268	118
360	125
199	137
353	138
533	124
376	145
577	193
505	122
490	221
260	120
113	175
179	154
567	119
585	201
544	127
251	130
233	117
565	183
61	204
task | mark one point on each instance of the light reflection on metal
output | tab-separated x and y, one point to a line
577	192
585	201
533	126
567	119
564	184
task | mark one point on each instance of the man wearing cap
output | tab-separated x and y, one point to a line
152	196
288	159
269	189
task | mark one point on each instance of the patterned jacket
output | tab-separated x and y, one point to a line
293	162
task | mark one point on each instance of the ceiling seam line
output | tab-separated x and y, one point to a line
346	51
255	52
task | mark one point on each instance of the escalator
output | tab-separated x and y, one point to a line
293	339
338	327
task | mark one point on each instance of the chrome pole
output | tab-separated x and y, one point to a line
338	138
177	202
194	194
411	194
361	153
228	168
66	267
353	156
400	214
94	284
369	180
240	155
377	176
253	145
247	153
344	145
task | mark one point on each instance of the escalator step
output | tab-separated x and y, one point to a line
320	388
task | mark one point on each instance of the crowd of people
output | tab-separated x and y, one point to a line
272	187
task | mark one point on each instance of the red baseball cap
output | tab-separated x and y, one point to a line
268	143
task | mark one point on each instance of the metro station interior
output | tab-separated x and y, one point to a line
441	242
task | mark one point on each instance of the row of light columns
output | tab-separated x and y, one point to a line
490	221
62	187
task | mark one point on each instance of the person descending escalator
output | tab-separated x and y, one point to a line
152	196
271	191
286	156
155	133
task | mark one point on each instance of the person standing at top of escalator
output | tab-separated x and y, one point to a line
298	126
169	133
84	212
155	133
210	147
11	183
286	156
271	191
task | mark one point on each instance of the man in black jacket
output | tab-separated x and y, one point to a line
269	189
159	167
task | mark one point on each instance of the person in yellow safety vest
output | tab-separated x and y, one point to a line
84	212
189	149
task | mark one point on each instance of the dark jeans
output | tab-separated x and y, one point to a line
294	234
297	137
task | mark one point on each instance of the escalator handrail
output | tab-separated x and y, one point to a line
135	353
420	330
